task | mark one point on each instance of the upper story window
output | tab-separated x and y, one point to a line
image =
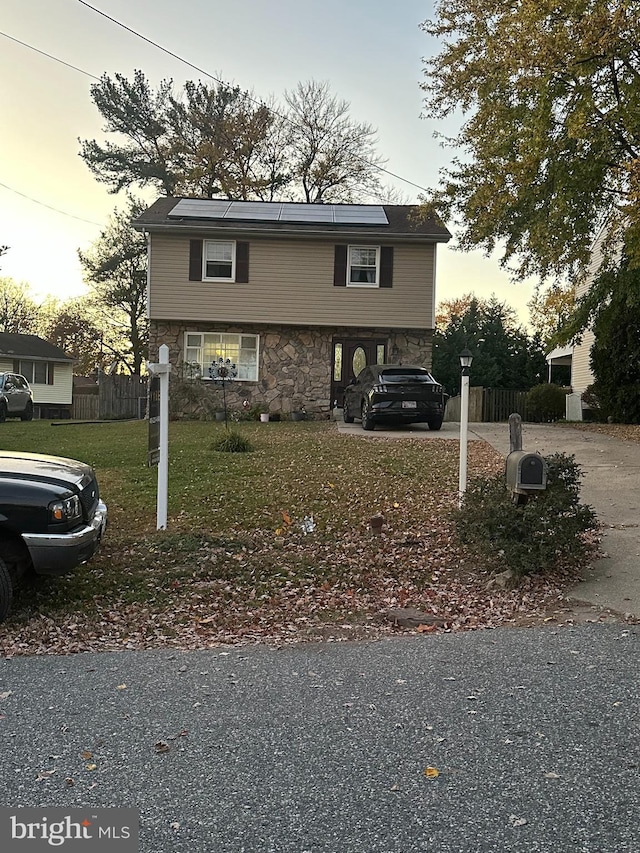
219	260
363	266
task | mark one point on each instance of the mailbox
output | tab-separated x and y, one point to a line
525	472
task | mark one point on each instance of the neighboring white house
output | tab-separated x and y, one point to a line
578	355
47	368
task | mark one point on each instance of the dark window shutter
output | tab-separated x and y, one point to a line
50	373
242	262
195	260
16	365
340	267
386	266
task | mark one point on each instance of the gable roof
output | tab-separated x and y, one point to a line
403	221
30	346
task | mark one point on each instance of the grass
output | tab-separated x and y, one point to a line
235	561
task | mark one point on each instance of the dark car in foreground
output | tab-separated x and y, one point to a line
394	393
51	517
16	399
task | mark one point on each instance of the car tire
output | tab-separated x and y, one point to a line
27	415
435	423
346	417
367	420
6	590
3	412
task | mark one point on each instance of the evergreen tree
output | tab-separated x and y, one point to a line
615	355
504	356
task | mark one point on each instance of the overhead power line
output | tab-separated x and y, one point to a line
55	209
49	56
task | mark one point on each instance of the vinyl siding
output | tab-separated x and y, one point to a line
581	375
291	282
61	392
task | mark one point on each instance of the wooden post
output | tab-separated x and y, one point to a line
515	432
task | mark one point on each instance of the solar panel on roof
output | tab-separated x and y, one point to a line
272	211
307	213
266	210
205	208
358	214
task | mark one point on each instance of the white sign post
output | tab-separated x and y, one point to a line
162	371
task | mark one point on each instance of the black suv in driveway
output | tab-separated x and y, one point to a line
394	393
51	517
16	399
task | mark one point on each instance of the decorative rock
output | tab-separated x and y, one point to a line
409	617
504	580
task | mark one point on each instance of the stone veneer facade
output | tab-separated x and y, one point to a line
295	363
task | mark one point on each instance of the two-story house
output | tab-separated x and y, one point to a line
299	297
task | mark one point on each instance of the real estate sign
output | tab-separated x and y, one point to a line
153	455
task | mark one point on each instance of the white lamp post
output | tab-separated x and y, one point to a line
465	362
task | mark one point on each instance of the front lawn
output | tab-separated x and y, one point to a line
273	544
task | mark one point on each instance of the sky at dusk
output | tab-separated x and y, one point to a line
369	51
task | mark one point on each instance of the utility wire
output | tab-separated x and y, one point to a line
49	56
56	209
222	83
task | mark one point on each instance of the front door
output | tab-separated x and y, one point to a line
350	356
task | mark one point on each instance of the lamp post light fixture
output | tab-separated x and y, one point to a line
223	371
466	359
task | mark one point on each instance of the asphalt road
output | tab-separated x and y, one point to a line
322	748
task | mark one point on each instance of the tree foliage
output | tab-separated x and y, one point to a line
79	327
19	313
615	354
504	355
550	309
3	250
549	91
216	139
116	269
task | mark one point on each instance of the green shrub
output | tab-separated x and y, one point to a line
232	442
592	401
190	399
546	402
256	410
542	534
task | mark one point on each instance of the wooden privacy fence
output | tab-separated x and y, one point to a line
452	412
498	404
489	404
118	397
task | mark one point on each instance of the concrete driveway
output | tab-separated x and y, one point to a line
611	485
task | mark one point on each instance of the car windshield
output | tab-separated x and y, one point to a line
405	375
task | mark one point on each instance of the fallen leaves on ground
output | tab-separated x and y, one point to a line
233	581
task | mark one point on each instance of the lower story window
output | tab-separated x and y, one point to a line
203	348
35	372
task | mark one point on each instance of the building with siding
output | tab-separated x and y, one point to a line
298	297
47	368
579	355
